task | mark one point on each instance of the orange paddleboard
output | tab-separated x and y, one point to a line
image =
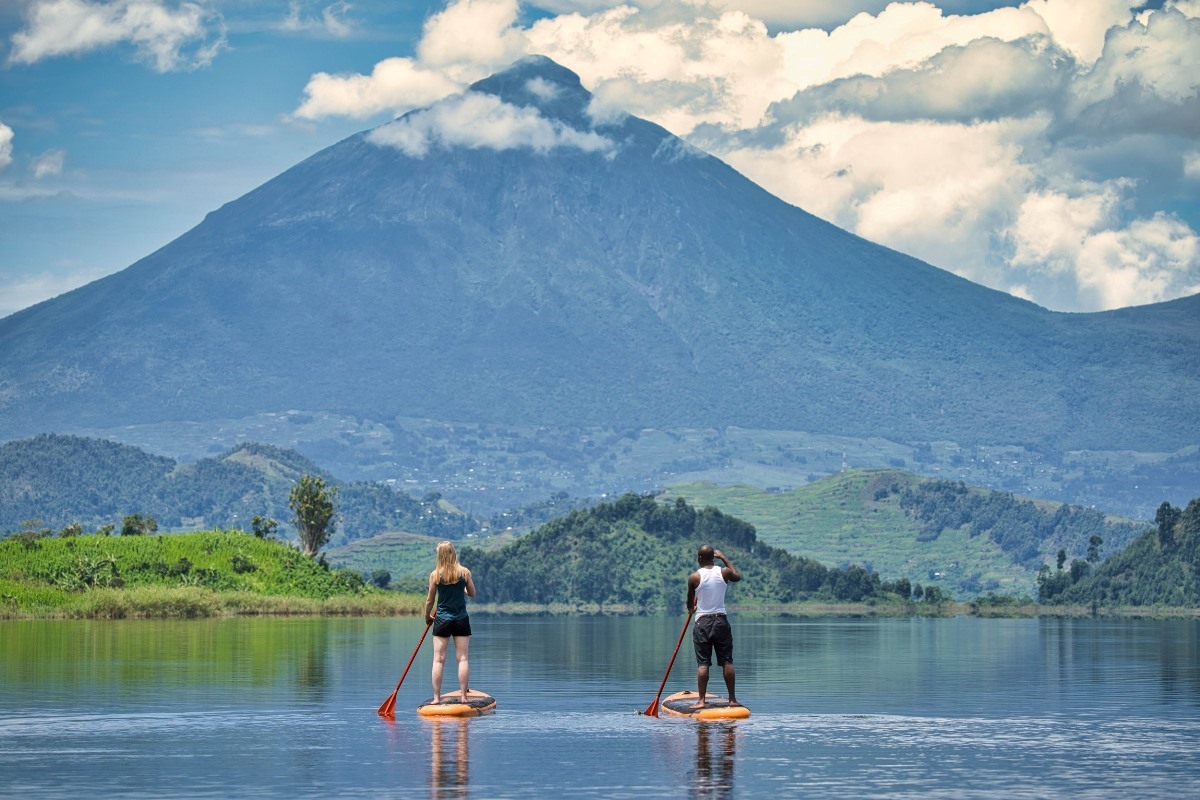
452	705
715	707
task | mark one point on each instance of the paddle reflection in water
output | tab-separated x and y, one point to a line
448	762
716	750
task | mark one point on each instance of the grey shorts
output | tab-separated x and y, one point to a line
711	632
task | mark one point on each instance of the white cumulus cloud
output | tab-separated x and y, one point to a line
49	164
931	132
6	145
394	85
183	36
1085	241
471	38
477	120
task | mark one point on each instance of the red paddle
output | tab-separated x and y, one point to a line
652	709
388	708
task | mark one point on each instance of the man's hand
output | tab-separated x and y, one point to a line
720	555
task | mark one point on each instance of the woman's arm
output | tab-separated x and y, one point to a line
429	598
470	583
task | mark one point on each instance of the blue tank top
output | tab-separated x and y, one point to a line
452	600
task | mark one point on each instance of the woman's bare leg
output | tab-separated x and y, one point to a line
462	644
440	643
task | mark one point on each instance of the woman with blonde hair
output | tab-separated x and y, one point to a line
450	585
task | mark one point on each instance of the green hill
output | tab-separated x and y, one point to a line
1160	568
407	557
636	553
965	540
188	574
58	480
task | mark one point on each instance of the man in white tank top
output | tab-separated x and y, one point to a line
706	595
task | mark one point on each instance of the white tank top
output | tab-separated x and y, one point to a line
710	594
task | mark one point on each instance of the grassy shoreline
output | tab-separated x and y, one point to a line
231	574
199	603
194	602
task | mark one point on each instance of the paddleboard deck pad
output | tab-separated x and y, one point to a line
715	707
453	706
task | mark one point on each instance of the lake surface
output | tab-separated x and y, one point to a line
944	708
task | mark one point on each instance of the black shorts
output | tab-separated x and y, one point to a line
713	631
452	627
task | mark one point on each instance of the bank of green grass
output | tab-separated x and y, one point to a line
844	520
209	573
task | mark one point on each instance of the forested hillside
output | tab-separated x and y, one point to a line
1160	568
51	481
964	539
637	552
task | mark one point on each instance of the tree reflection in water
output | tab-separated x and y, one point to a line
716	748
448	765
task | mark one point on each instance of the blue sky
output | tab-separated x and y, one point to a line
1047	148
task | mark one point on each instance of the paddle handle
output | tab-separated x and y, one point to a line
652	709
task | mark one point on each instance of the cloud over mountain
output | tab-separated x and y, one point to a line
474	120
927	131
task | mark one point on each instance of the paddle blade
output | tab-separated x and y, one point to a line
652	709
388	709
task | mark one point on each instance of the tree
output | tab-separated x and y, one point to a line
1166	517
1062	559
312	503
381	578
263	527
137	525
1093	554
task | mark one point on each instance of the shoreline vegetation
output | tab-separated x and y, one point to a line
190	602
230	573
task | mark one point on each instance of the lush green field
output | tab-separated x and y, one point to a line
195	574
407	557
867	517
836	521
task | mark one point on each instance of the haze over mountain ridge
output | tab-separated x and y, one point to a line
553	278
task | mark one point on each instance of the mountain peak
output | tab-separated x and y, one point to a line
539	82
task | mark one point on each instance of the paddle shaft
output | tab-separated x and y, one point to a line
652	709
389	706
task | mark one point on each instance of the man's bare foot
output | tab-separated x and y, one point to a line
734	703
699	704
435	701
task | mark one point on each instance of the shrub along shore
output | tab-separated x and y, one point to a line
231	573
205	574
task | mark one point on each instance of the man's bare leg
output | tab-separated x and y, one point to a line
701	686
727	672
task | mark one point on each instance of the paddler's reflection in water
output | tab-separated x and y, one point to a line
448	758
716	748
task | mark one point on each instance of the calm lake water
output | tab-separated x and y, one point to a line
947	708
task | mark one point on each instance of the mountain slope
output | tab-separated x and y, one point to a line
964	539
643	283
637	552
58	480
1159	568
